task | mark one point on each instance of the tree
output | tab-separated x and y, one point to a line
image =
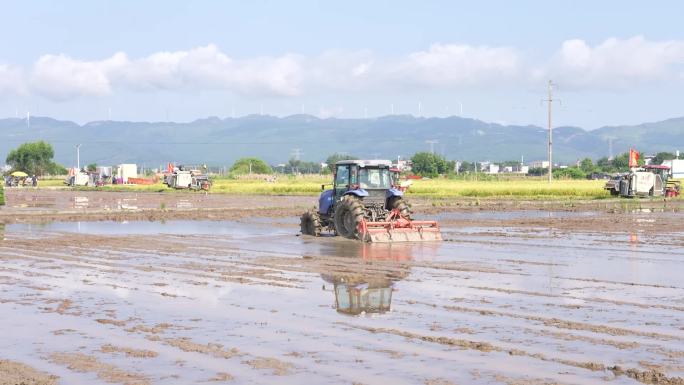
618	164
661	156
569	173
91	167
429	164
247	165
538	171
587	165
336	157
33	158
2	194
466	167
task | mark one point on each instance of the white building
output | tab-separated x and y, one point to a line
402	165
125	171
676	167
489	168
539	164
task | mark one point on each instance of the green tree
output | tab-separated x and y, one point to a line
91	167
538	171
587	165
429	164
621	162
466	167
2	193
336	157
244	165
661	156
33	158
605	165
569	173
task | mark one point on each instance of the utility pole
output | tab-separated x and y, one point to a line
296	153
550	101
610	148
432	145
78	157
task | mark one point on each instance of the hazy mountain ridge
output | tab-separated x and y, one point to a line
218	141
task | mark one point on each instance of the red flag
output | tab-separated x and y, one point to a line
633	158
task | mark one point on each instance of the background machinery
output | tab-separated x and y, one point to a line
183	177
649	180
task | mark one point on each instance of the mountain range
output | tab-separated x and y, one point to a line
215	141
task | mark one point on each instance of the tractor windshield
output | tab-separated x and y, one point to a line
374	178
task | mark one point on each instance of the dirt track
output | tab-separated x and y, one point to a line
511	297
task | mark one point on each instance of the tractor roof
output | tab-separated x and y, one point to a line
367	162
657	166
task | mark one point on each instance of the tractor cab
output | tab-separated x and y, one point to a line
659	169
370	179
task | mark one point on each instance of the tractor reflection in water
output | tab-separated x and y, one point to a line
356	295
365	286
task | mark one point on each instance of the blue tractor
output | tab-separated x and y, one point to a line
366	203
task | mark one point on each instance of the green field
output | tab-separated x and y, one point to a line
435	188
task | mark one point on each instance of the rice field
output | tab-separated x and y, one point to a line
524	188
434	188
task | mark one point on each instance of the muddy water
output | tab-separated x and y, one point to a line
251	302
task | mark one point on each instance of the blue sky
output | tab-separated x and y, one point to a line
615	62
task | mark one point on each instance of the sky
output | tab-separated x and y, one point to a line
613	62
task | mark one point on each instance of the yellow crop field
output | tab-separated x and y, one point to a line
527	188
435	188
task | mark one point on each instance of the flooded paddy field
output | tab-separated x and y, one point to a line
514	297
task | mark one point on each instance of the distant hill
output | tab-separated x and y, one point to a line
217	141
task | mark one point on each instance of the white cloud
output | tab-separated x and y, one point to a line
208	68
457	65
60	77
11	80
612	64
615	64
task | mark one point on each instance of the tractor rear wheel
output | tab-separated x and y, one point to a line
402	205
348	215
310	223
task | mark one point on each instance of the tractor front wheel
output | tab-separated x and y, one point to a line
348	215
310	223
